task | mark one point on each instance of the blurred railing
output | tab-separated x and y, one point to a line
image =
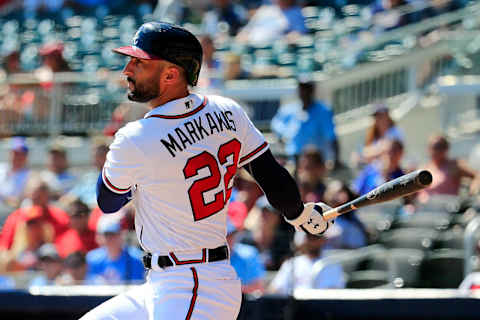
469	242
67	103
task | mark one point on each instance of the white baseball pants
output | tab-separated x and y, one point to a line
197	291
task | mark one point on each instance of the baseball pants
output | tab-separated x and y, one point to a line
197	291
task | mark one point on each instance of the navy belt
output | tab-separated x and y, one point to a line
208	255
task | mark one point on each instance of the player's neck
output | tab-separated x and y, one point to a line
169	95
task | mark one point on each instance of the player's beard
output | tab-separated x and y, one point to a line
142	92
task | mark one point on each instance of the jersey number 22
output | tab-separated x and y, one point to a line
202	210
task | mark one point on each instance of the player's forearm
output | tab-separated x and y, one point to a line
278	185
108	201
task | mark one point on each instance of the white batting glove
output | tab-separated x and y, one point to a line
311	219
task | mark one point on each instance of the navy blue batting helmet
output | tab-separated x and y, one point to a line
161	40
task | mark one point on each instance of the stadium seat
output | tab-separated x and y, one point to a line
413	238
438	220
367	279
352	264
377	218
443	269
405	267
445	203
451	239
377	260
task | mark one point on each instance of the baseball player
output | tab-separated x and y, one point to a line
177	165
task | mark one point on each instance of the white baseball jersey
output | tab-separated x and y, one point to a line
180	161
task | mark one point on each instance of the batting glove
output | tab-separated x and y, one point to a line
311	219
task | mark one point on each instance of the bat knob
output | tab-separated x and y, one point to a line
425	177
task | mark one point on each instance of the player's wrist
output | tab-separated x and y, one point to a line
304	215
311	219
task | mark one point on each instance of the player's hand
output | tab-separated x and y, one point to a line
311	219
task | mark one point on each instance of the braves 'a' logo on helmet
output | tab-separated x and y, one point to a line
136	39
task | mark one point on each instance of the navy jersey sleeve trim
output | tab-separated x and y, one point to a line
109	201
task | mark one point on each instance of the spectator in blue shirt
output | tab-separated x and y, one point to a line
245	259
113	262
353	233
293	14
386	168
307	125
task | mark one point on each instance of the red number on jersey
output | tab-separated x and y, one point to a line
202	210
231	148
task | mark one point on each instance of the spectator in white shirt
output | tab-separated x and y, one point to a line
58	177
272	22
14	175
299	272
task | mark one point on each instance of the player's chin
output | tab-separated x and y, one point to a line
134	96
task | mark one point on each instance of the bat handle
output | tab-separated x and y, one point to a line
337	211
330	214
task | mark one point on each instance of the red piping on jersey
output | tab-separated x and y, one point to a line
119	190
194	293
178	262
254	152
180	116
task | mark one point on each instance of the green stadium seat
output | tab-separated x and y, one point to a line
263	57
305	63
351	10
310	12
75	21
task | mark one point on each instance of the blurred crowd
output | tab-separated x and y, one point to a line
56	232
248	39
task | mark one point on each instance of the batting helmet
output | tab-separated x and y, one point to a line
161	40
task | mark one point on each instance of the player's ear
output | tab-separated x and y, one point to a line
172	75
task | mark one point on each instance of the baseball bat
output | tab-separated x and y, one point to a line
399	187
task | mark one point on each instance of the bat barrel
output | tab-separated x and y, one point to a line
424	178
399	187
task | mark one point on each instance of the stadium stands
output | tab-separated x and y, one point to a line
354	61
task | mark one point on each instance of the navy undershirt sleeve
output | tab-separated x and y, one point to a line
109	201
278	185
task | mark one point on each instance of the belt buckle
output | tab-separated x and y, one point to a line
147	260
